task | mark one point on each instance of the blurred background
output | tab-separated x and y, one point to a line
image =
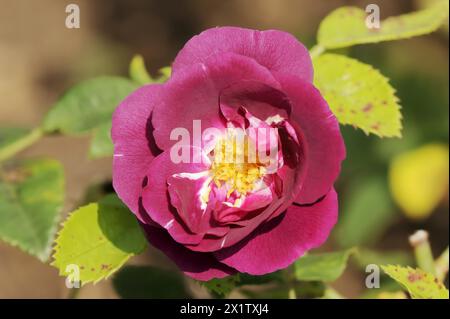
40	58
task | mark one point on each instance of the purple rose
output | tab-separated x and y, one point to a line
213	216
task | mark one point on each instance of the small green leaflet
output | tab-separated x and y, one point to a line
165	73
141	282
346	26
89	106
419	284
139	74
138	71
101	144
322	267
246	279
221	286
358	95
98	238
31	198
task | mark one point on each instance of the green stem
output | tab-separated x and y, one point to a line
73	293
316	50
292	294
331	293
422	251
441	265
21	144
289	278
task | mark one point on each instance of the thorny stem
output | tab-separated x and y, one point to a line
422	251
21	144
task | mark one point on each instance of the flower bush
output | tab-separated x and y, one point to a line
226	162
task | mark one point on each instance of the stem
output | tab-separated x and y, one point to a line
292	294
441	265
289	278
73	293
422	251
331	293
316	50
21	144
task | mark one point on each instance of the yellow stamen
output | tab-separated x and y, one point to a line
231	165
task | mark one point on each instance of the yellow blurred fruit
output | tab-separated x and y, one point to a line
419	179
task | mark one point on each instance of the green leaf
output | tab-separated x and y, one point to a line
358	95
221	286
101	144
366	213
246	279
419	284
147	282
87	107
31	198
165	73
138	72
322	267
98	238
346	26
140	75
389	289
303	290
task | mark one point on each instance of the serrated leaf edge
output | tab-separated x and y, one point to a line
56	250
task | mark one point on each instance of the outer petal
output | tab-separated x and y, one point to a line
278	243
193	94
133	149
200	266
324	145
278	51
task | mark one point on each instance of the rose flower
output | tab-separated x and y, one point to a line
229	165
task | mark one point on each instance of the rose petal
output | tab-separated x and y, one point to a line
276	50
324	146
258	99
133	149
200	266
281	241
155	197
228	213
236	234
193	94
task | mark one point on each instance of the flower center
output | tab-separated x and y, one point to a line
236	164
